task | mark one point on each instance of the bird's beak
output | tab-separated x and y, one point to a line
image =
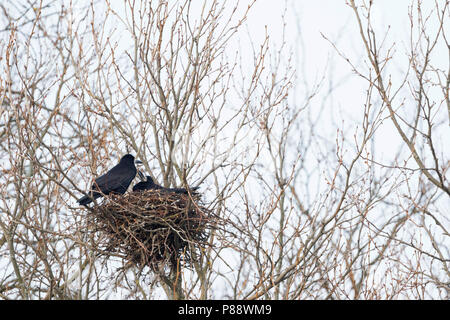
141	175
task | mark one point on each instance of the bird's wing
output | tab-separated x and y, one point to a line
118	176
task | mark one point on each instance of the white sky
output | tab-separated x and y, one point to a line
336	20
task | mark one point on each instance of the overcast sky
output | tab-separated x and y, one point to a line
335	20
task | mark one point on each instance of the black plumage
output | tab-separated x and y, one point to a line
116	180
149	184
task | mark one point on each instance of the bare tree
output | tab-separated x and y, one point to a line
302	213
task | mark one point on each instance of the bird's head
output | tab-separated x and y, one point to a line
129	158
145	178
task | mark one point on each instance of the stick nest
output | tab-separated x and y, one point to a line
151	227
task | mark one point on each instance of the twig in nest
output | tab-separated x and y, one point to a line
152	226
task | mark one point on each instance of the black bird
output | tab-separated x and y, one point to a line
115	180
149	184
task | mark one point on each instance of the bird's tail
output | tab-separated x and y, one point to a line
84	200
194	191
88	198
